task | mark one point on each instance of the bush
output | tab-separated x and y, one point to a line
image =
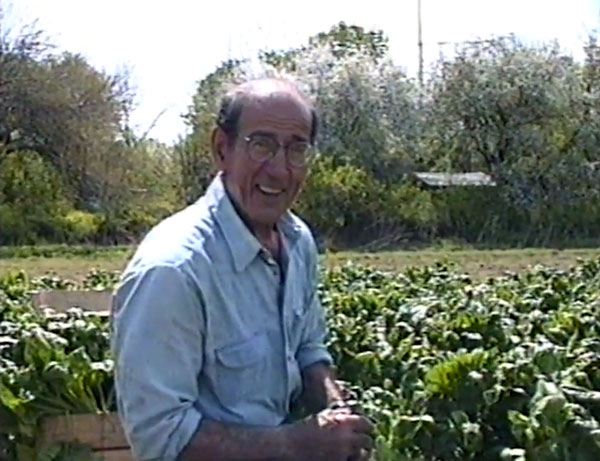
474	215
33	200
346	206
411	207
13	228
81	226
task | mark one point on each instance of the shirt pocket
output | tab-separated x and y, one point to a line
239	369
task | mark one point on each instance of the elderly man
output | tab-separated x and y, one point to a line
217	327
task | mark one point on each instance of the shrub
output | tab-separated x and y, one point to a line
346	206
81	226
33	199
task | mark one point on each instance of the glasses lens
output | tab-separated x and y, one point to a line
262	148
298	153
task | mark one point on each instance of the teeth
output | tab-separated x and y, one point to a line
269	190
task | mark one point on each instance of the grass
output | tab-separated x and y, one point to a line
480	264
75	262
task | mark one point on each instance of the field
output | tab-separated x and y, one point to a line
450	367
75	262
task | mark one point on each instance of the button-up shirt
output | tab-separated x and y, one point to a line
205	326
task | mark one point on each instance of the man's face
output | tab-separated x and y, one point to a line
265	190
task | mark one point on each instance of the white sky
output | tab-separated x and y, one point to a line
170	45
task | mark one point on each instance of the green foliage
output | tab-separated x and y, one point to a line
448	369
193	155
476	214
346	40
347	206
525	114
32	198
50	363
454	371
342	41
368	110
64	251
82	226
76	120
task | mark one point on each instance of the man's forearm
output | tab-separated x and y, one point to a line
216	441
320	387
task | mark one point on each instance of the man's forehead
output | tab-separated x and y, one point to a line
278	111
280	102
276	105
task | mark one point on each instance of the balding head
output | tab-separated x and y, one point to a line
256	91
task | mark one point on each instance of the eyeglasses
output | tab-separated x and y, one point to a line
262	148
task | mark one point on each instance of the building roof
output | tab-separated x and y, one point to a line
455	179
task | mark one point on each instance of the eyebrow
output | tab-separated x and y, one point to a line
270	134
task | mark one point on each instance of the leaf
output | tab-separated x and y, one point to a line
512	454
10	400
365	356
25	453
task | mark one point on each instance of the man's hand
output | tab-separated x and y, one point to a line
331	435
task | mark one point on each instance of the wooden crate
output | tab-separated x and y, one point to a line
61	300
102	433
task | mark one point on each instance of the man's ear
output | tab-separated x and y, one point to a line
220	142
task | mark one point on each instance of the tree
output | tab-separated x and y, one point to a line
347	40
495	99
71	114
367	106
500	103
18	53
192	154
341	40
523	115
74	118
33	199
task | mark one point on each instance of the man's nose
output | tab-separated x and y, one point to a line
277	165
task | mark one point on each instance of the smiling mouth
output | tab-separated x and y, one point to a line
271	191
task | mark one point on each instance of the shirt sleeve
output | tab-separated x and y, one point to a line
157	344
312	348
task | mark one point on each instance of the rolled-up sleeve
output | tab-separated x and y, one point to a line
312	347
158	348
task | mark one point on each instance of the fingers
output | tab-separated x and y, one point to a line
333	417
342	411
357	422
354	422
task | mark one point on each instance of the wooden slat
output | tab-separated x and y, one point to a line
95	431
61	300
115	455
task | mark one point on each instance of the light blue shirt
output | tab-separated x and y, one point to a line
204	328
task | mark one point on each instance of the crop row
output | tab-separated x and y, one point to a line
507	369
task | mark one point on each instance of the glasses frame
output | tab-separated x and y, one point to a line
310	150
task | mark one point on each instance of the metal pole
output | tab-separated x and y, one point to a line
420	43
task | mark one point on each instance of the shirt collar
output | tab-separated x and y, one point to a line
242	243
